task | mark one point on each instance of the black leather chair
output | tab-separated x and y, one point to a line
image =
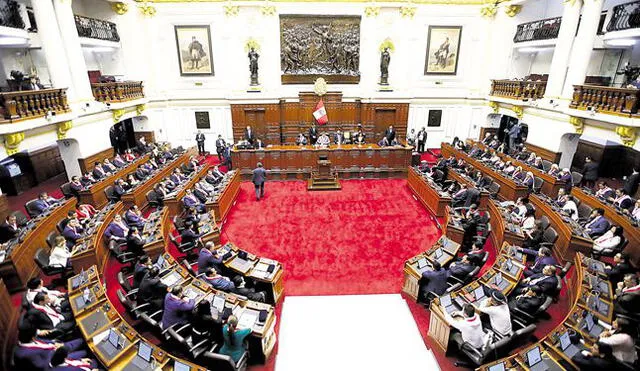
545	222
496	349
549	238
51	238
21	219
537	184
533	317
123	257
111	195
30	206
182	337
494	189
134	310
66	190
41	259
126	286
152	199
219	362
60	226
584	211
546	165
185	248
576	178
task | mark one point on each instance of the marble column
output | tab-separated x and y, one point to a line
73	50
562	51
583	46
53	46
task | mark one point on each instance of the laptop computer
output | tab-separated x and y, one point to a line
143	359
113	343
534	360
497	367
179	366
160	262
438	253
569	349
590	325
423	262
445	301
478	293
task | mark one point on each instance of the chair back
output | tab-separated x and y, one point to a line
51	238
537	184
21	219
124	283
576	177
584	210
66	190
42	259
61	225
188	267
550	235
546	165
110	193
30	206
494	189
545	222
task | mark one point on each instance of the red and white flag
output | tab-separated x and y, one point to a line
320	114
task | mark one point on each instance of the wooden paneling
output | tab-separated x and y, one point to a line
282	122
615	161
88	162
544	153
149	136
4	207
46	163
484	131
8	325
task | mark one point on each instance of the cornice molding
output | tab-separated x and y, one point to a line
417	2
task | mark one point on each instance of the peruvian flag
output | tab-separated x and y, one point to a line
320	114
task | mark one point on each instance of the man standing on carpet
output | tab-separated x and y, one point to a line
258	178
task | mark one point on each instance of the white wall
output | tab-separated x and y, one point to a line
459	119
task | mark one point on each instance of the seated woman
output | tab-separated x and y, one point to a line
621	340
609	240
509	168
528	221
518	173
555	170
531	159
301	140
234	339
84	212
569	208
203	325
533	238
60	254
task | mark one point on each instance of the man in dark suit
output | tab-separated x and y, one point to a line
589	172
547	281
434	281
543	259
209	258
151	289
249	135
143	265
619	269
119	162
390	133
220	146
338	138
118	188
313	134
176	307
458	198
134	218
72	232
190	200
117	230
141	173
44	203
258	178
598	224
200	141
44	318
470	228
529	301
631	183
421	138
9	229
462	268
627	296
75	185
33	353
599	357
189	236
98	172
135	242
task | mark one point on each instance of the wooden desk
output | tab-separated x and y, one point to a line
158	232
174	203
631	232
138	196
503	228
436	201
349	160
95	195
223	201
18	266
412	273
96	248
509	189
454	175
8	326
550	185
568	242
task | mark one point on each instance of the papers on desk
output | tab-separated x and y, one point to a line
99	338
191	293
247	319
218	303
170	279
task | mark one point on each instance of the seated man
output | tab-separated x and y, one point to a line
565	176
621	200
461	269
250	293
562	198
597	224
152	290
117	230
470	327
142	267
46	319
31	353
209	258
189	236
177	308
87	180
108	166
599	357
498	311
218	281
73	232
620	268
434	281
119	188
61	360
529	301
76	186
301	140
604	191
58	300
135	242
547	281
213	178
177	177
627	298
141	173
543	259
119	162
532	239
338	138
134	218
98	172
191	201
9	229
44	203
458	198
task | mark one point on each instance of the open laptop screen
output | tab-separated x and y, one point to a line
145	351
534	357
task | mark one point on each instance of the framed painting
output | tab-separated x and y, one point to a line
194	50
443	50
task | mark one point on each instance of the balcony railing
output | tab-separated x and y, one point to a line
624	17
23	105
543	29
113	92
613	101
10	14
518	89
96	29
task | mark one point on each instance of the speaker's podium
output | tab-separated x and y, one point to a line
323	178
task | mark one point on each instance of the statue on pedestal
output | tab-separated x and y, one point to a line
253	66
385	58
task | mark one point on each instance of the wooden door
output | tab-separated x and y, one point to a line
255	119
383	118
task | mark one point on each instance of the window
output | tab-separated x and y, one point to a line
435	118
202	120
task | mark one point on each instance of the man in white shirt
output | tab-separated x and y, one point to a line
58	299
469	325
498	311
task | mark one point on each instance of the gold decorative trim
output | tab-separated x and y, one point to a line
578	123
495	106
627	134
512	10
120	8
63	127
489	11
117	114
140	108
320	86
251	44
231	10
12	142
518	110
372	11
408	11
434	2
268	10
147	10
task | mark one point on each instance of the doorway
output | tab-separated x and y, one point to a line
122	136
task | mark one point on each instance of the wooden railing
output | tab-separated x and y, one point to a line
110	92
23	105
518	89
613	101
542	29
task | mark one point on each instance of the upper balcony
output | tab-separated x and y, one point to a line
544	29
531	88
117	92
97	29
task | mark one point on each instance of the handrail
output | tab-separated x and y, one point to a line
608	100
542	29
625	16
518	89
96	29
28	104
110	92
